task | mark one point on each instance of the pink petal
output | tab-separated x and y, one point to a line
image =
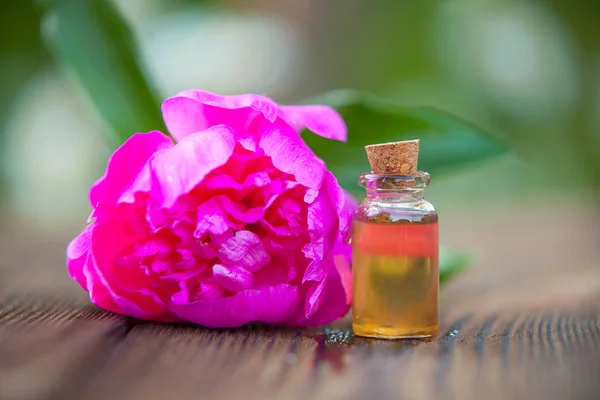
345	206
239	212
289	210
209	291
310	195
203	250
324	228
278	271
270	194
195	110
283	244
104	296
124	166
321	120
291	155
181	168
253	180
100	293
212	218
322	215
183	275
347	213
237	165
315	251
183	229
77	253
314	298
217	240
141	184
343	202
111	286
152	248
183	295
271	305
160	266
244	250
283	231
187	260
325	302
343	267
232	278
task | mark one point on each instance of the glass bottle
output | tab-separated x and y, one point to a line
395	259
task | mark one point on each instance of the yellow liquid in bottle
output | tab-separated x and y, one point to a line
396	279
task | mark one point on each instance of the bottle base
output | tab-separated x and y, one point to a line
393	334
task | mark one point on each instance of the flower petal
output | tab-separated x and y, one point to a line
239	212
325	301
323	224
271	305
321	120
291	155
105	296
209	291
212	218
232	278
124	166
253	180
195	110
322	216
346	214
153	247
178	170
244	250
77	253
315	251
110	285
343	202
343	267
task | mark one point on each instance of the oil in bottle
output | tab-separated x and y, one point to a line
395	278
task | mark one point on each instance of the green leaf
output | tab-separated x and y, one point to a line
447	142
452	263
95	44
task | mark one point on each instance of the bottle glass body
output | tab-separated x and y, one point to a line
395	259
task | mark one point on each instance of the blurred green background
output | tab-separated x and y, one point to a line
77	76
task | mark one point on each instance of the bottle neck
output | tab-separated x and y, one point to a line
395	196
394	188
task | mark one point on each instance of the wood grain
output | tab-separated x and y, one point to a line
98	356
508	330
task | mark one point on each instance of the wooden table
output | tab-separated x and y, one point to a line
523	324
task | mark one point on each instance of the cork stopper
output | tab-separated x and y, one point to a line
396	158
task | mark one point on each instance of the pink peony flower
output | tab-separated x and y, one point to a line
238	221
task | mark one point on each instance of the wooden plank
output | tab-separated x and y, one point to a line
49	347
496	356
156	360
73	350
